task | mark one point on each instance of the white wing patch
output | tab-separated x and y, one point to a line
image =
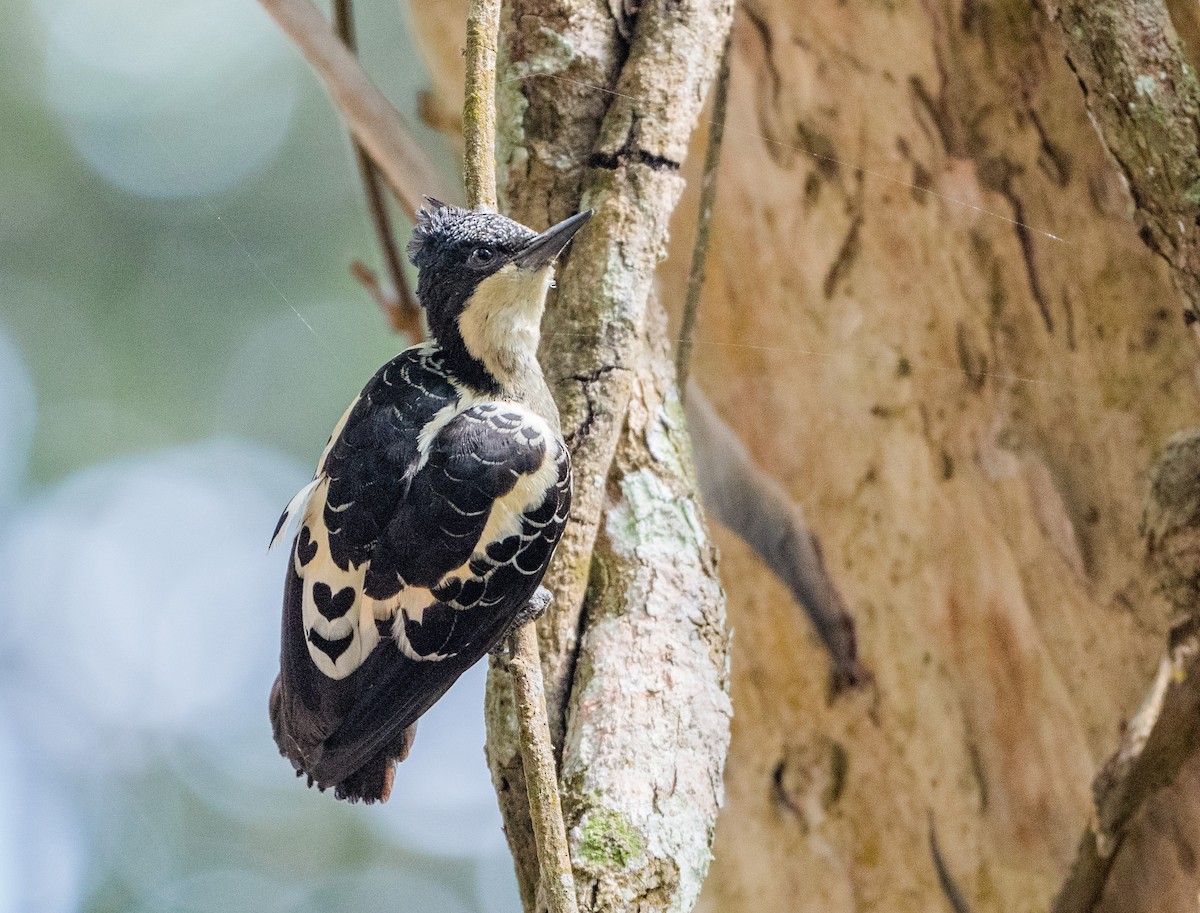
334	609
507	516
298	506
440	420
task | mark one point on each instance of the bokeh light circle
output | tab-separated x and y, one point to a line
141	602
169	100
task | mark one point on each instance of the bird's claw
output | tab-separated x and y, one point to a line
534	609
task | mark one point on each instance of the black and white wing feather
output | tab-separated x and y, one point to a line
427	529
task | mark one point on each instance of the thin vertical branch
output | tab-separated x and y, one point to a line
479	105
541	774
401	308
525	664
708	193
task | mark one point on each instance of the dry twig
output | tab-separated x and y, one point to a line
400	307
375	124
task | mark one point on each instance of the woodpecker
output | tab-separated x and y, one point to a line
436	505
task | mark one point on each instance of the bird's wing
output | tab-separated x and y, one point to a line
480	470
345	509
377	541
470	543
328	629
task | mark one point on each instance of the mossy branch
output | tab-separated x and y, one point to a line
479	105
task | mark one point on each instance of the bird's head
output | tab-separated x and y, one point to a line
482	279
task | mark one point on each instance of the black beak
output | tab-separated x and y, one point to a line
542	249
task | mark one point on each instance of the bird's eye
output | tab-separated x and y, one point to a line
482	255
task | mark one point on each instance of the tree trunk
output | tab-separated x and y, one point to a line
929	313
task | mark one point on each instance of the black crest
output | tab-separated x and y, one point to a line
445	235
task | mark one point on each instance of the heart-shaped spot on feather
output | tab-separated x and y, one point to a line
332	606
331	648
306	549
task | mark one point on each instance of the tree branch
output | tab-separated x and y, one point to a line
708	194
1145	102
479	104
541	775
1163	734
377	125
637	680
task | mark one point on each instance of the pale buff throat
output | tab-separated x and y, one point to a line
501	323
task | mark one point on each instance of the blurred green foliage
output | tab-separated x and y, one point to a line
215	304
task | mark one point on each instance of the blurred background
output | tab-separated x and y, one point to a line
178	335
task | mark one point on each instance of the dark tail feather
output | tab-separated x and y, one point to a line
373	781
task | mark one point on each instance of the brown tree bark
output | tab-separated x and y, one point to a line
930	315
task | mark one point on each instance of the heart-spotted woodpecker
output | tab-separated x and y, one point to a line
435	508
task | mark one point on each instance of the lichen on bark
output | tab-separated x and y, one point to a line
649	712
1145	100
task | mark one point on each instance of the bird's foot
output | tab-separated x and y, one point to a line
534	609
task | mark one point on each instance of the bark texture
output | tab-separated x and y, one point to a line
979	404
1145	793
929	313
649	711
